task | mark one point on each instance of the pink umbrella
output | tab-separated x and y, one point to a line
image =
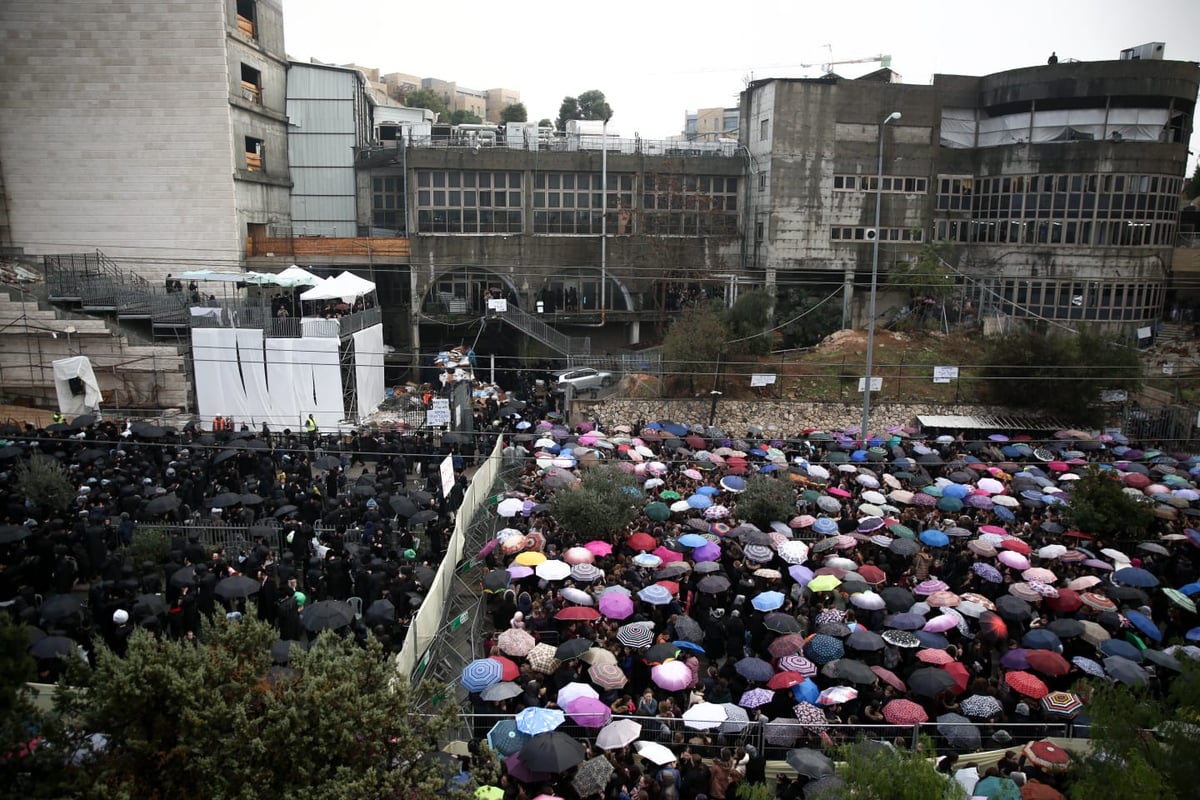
930	586
1013	559
615	605
599	548
667	555
518	571
578	555
588	712
574	691
1039	574
674	676
941	623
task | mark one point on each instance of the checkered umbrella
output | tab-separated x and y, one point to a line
542	658
1063	704
904	712
636	634
810	717
980	706
786	645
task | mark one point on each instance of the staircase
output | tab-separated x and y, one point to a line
1173	332
551	337
94	283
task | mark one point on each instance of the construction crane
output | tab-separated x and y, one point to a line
883	60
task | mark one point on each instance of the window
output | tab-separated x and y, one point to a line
463	201
862	233
572	202
893	184
247	18
758	231
764	129
251	85
387	202
689	205
254	154
762	181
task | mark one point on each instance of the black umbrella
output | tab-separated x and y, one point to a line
865	640
13	533
149	605
163	504
58	427
904	547
854	671
402	505
1066	628
82	421
713	584
251	499
265	531
90	455
552	752
224	456
782	623
930	681
186	576
496	580
1013	609
236	586
661	653
572	648
326	615
688	629
897	598
380	611
52	647
283	511
58	607
422	499
226	499
959	731
421	517
810	763
147	431
592	776
11	451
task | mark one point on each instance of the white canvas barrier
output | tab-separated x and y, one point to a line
76	371
368	369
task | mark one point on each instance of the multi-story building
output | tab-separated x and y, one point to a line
710	124
155	132
1057	185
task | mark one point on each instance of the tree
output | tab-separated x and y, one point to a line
212	719
514	112
694	344
464	117
766	500
44	482
545	122
604	502
1101	506
928	281
588	105
806	319
748	320
1061	375
883	773
426	98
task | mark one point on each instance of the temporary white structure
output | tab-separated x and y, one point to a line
345	287
76	386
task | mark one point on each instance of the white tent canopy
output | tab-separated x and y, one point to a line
292	276
298	276
344	287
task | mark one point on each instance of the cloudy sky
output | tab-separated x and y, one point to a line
657	60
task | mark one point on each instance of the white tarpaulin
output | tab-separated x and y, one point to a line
346	286
317	326
76	386
277	381
958	127
368	369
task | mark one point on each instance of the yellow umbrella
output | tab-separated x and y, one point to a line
824	583
530	558
489	793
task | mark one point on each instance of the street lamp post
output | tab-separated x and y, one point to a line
866	415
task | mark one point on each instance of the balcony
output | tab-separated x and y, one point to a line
316	247
234	315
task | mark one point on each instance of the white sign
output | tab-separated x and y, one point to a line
1113	396
446	468
945	374
762	380
876	384
1144	333
1168	368
497	304
439	414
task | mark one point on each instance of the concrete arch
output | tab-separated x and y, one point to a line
467	284
555	291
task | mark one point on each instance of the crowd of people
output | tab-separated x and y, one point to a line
919	580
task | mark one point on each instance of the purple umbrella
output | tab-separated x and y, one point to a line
756	697
589	712
1015	659
707	552
616	605
674	676
987	572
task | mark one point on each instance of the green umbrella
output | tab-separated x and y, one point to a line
658	512
671	494
902	531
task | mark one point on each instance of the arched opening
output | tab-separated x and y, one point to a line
466	290
577	289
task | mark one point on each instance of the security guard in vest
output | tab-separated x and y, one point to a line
58	418
310	426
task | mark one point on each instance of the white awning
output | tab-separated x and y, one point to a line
344	287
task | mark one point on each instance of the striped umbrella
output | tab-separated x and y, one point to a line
1062	703
481	673
798	663
607	676
636	634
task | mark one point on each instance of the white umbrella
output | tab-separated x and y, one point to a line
654	752
510	507
577	596
553	570
618	733
793	551
575	690
705	716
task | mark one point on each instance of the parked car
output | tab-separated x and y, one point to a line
582	379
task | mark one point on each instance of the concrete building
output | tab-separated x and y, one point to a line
155	132
1056	186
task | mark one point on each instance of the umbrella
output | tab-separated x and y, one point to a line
904	712
618	733
607	676
58	607
655	595
536	720
1135	576
637	634
768	601
959	731
598	655
1047	662
754	669
785	645
865	640
164	503
572	648
236	586
661	653
980	706
589	712
481	673
688	629
736	719
782	623
852	670
674	676
810	717
654	752
500	691
930	681
994	787
835	695
713	584
753	698
1062	703
1027	684
575	690
505	738
592	776
52	647
552	752
1046	755
705	716
810	763
1125	671
513	641
542	659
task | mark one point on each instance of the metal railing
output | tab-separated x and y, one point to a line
566	143
551	337
273	327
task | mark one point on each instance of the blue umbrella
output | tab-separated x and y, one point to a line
1135	576
807	691
674	428
535	720
1004	514
708	490
505	738
695	648
1121	649
1189	588
481	673
733	483
1144	624
655	595
825	526
932	641
768	601
958	491
1088	665
905	622
754	669
987	572
1193	635
934	538
997	788
699	501
692	540
1042	639
822	648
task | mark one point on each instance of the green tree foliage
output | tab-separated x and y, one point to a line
1060	375
604	502
1100	506
749	320
212	720
464	117
694	344
588	105
426	98
877	773
805	319
1142	747
44	482
928	275
545	122
514	112
766	500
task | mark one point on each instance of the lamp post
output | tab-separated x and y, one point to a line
866	415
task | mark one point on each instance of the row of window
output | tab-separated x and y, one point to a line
1113	233
1083	300
891	183
1078	196
863	234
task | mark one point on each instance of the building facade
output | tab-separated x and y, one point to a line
155	132
1056	187
710	124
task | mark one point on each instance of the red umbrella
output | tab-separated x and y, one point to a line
959	672
1017	546
511	670
785	680
904	712
586	613
935	657
1047	662
786	645
992	628
890	678
1027	684
872	574
642	541
670	586
667	555
1067	602
1046	755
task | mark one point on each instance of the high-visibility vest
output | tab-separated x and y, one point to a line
58	418
310	425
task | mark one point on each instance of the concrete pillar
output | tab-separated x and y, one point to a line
848	297
635	332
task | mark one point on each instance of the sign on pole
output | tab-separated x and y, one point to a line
945	374
439	412
498	304
761	380
876	384
447	473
